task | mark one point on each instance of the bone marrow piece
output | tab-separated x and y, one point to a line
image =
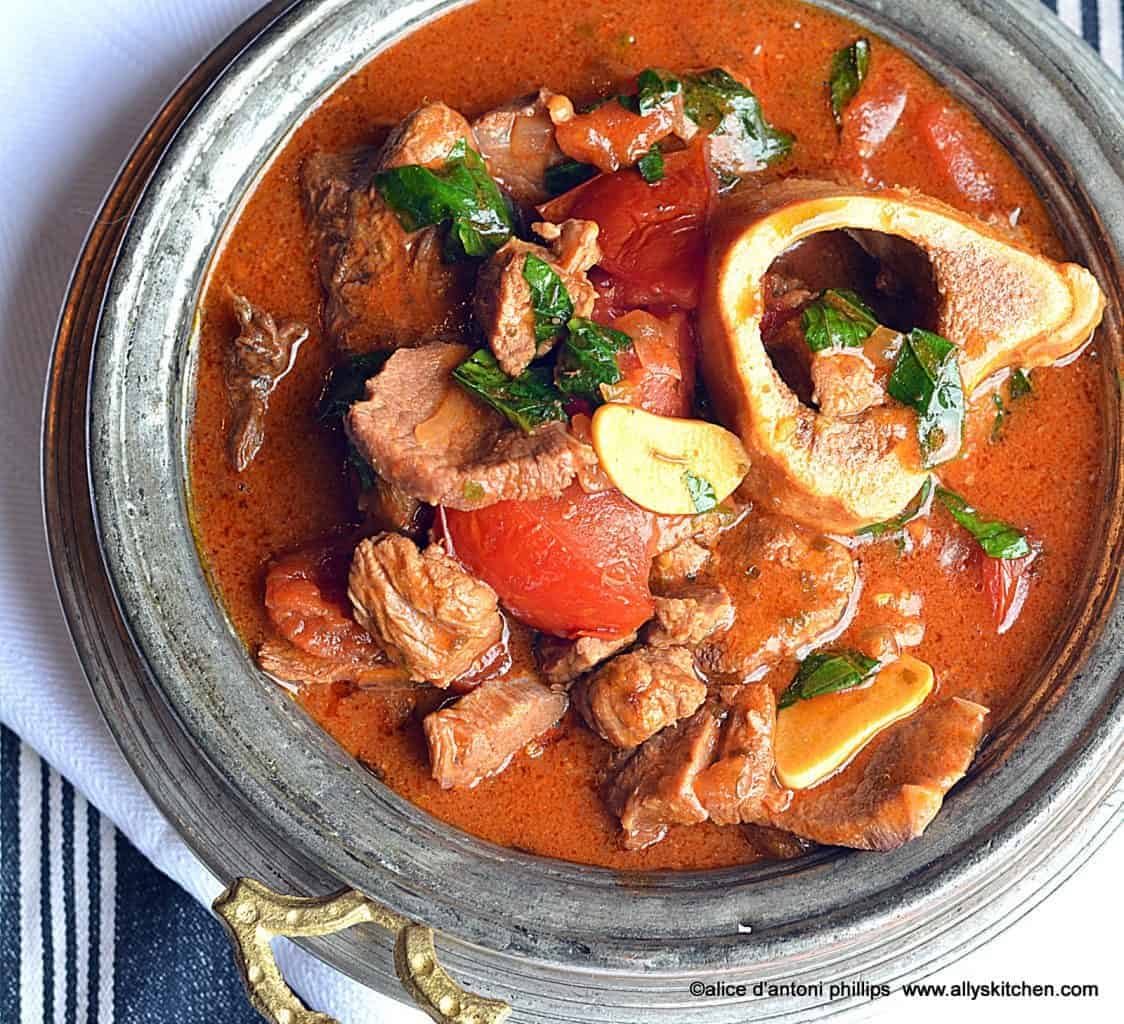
1003	306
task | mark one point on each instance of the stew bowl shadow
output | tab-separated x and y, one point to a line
257	789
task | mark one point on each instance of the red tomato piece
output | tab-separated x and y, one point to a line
575	565
611	136
946	133
653	237
658	373
868	121
1007	583
306	599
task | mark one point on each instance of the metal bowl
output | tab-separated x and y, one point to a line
256	789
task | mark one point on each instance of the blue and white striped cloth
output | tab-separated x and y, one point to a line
90	931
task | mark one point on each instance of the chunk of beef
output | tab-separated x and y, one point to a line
775	843
426	435
790	588
384	287
685	618
894	788
478	735
637	694
562	661
428	614
655	788
733	787
424	138
517	143
503	304
845	383
257	359
292	665
679	566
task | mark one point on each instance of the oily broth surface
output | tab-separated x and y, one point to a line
1045	474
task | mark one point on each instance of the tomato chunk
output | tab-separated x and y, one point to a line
946	132
611	136
653	237
658	372
575	565
1007	582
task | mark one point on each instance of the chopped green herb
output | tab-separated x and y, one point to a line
654	89
1000	416
527	400
718	103
917	507
363	471
462	194
347	384
926	376
837	319
588	359
1019	386
551	302
828	672
997	538
848	69
701	491
650	165
472	490
567	175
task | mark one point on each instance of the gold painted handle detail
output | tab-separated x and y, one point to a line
254	914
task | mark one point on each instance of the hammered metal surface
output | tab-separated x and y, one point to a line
256	789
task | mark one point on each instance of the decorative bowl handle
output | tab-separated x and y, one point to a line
253	914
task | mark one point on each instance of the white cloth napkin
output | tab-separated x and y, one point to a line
79	80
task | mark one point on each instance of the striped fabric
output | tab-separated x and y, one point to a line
90	932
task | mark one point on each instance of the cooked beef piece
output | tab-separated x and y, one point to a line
388	508
503	302
845	383
517	143
681	565
292	665
686	617
424	138
655	788
425	434
479	734
789	587
636	694
257	359
776	844
895	787
705	528
383	287
562	661
428	614
732	788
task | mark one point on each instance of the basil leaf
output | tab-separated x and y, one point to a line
347	385
588	359
916	507
701	491
719	104
650	165
848	69
1001	414
1019	386
363	472
926	376
837	319
462	194
654	89
997	538
551	302
828	672
568	174
527	400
